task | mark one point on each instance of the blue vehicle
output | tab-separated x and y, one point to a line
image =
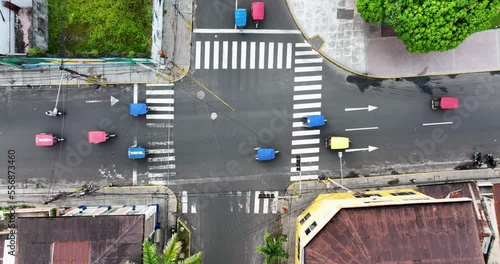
314	121
138	109
240	18
135	152
265	154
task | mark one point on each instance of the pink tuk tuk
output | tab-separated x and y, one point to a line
46	140
257	12
96	136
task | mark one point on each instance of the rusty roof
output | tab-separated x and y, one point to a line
104	239
496	198
468	189
417	233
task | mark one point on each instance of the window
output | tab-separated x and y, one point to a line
298	248
402	193
366	195
311	227
303	220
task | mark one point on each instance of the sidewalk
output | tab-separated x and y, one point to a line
311	189
336	29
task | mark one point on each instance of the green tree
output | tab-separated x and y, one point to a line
150	254
272	249
431	25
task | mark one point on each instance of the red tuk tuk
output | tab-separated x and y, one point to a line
46	140
96	137
257	12
445	102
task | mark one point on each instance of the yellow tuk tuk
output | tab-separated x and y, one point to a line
332	142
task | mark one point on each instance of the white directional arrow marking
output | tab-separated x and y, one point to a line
369	148
114	100
369	108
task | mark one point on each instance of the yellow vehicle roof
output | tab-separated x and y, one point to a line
339	142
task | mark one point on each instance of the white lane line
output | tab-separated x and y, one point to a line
307	78
134	177
305	168
165	159
302	45
289	55
305	114
162	167
136	92
308	69
305	151
162	108
274	204
305	133
193	208
252	55
225	48
234	56
361	128
198	55
265	207
159	84
305	106
216	55
304	61
184	201
159	183
297	124
159	92
305	53
262	50
305	159
256	203
160	100
160	143
160	116
301	88
159	125
306	97
437	124
279	56
304	178
231	205
207	55
238	193
247	202
245	31
161	151
305	142
161	175
243	55
270	57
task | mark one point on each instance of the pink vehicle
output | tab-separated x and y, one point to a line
96	137
46	140
257	12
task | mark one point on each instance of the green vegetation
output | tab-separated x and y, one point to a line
495	21
272	248
431	25
170	255
100	27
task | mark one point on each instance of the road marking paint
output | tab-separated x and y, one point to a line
307	78
193	208
304	178
234	57
161	159
305	168
162	108
265	207
306	97
305	159
304	61
244	31
308	69
305	114
279	56
305	53
161	151
305	151
96	101
134	177
207	55
436	124
162	143
184	201
159	125
136	92
262	50
159	92
305	106
302	45
243	54
305	133
247	202
158	183
225	48
252	55
239	206
305	141
161	174
270	57
160	100
301	88
160	116
361	128
162	167
289	55
274	204
256	202
216	55
231	203
297	124
160	84
198	55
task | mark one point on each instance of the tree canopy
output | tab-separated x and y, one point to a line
431	25
272	248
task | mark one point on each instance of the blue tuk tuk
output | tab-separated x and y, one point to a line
240	18
265	154
138	109
314	121
135	152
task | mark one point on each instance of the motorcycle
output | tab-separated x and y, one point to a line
477	160
490	160
54	113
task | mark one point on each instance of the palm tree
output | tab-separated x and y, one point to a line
170	255
272	249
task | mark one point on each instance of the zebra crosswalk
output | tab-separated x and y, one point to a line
233	55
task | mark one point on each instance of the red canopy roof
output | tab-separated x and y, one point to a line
449	102
97	136
44	140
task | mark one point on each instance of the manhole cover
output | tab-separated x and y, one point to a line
200	94
213	116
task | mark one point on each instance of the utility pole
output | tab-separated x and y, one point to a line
297	165
341	172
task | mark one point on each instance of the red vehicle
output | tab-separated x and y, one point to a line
46	140
257	12
445	102
96	137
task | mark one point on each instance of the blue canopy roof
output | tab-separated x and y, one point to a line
265	154
315	120
136	152
240	17
138	109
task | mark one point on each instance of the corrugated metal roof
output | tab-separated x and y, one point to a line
496	198
71	252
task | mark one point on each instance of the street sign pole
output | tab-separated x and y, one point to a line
297	165
341	172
